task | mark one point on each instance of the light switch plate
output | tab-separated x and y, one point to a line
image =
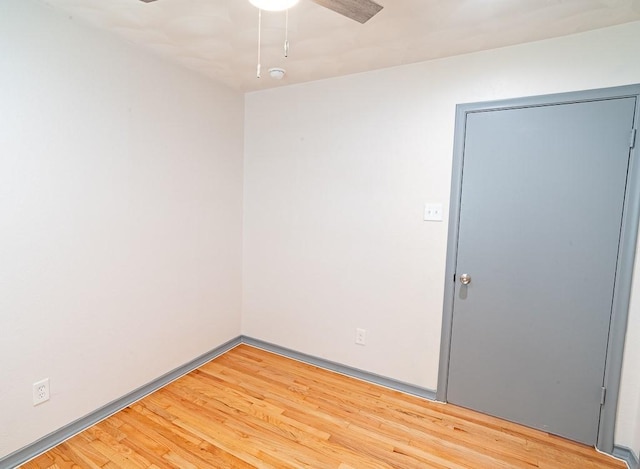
433	212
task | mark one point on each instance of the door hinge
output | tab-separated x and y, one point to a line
632	138
603	395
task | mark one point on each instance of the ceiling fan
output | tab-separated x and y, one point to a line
358	10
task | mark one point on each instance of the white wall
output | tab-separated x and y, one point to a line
336	175
120	218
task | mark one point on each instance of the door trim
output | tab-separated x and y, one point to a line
626	251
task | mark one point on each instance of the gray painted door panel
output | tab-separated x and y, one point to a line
541	208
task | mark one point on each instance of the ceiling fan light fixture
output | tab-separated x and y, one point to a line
273	5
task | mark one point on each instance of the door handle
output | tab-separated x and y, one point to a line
465	279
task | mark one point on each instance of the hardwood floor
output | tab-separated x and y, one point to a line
250	408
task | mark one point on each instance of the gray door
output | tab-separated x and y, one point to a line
542	198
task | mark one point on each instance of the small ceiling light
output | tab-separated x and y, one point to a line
277	73
273	5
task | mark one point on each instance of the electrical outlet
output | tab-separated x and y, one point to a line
41	391
433	212
361	336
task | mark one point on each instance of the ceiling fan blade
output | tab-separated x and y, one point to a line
147	1
358	10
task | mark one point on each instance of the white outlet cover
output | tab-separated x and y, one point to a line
41	391
433	212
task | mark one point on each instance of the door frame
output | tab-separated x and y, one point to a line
626	250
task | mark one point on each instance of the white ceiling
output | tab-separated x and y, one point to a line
219	37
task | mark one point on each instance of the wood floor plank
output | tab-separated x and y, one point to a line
253	409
